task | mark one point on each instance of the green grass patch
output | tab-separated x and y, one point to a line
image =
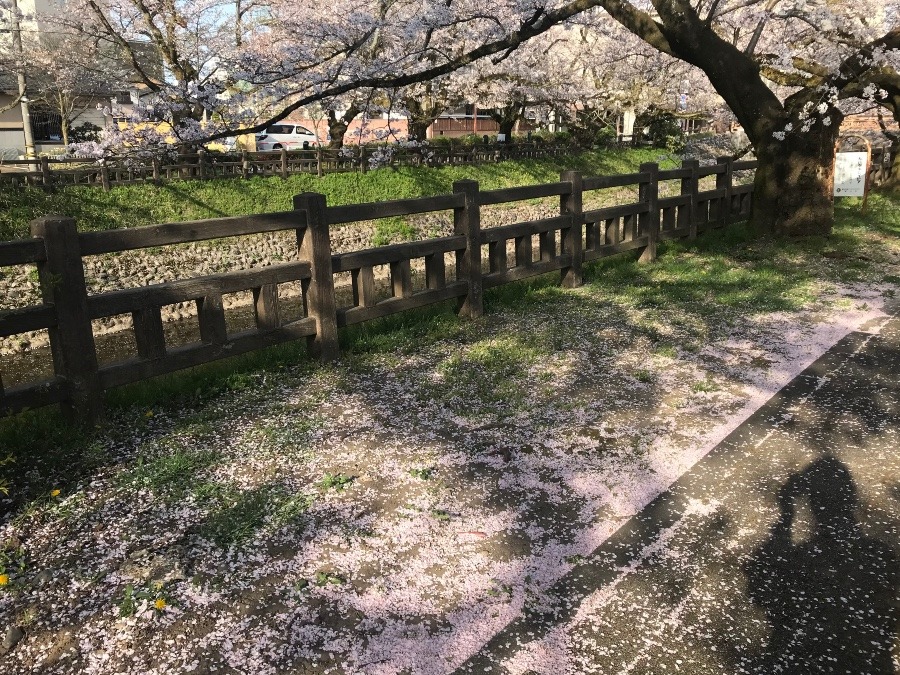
172	475
487	375
238	515
135	205
335	481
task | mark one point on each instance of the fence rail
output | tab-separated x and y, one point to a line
49	172
458	266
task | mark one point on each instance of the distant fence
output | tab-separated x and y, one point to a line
202	165
459	266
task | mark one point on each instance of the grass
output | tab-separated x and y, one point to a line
135	205
238	514
721	277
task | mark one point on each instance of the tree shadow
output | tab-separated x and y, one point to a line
828	592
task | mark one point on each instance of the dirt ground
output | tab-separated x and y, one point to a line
402	510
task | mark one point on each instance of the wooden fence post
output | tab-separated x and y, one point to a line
571	237
245	165
648	223
45	170
467	222
104	177
284	166
691	186
156	169
319	171
314	242
201	164
71	339
724	181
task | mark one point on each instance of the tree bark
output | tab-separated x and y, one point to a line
506	118
422	114
792	190
337	126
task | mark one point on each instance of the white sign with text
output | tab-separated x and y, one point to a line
850	174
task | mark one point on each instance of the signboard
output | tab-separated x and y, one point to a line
850	169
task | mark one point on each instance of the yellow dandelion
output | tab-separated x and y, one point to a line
55	492
4	579
149	413
160	604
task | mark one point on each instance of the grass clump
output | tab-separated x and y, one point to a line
237	515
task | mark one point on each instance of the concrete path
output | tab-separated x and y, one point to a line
777	553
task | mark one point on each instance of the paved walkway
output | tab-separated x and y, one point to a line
777	553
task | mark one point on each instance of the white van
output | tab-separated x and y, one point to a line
285	135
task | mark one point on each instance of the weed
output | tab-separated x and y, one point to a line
170	474
325	578
704	386
644	376
668	351
424	474
440	515
133	598
337	481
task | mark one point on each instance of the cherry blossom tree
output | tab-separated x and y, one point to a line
70	86
294	54
741	45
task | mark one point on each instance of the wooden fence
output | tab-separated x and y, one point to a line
50	172
564	242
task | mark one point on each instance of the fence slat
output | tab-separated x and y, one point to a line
401	278
435	271
489	197
21	252
384	255
352	213
354	315
166	234
25	319
148	333
266	307
364	287
211	313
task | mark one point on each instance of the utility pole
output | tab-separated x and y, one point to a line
20	79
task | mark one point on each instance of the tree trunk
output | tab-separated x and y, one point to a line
421	115
506	118
892	175
792	190
337	126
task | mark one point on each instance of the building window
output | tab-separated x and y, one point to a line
46	126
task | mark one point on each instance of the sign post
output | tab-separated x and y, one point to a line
851	171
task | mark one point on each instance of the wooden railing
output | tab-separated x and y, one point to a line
564	242
48	171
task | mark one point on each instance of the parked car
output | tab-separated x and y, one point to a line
288	136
